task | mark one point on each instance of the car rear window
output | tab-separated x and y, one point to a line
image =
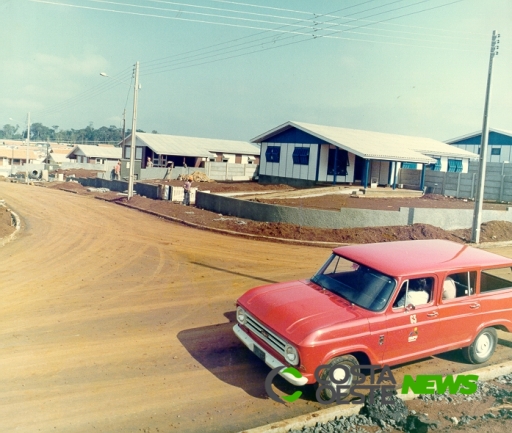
495	279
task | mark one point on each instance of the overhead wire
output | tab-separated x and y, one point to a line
162	69
200	58
92	92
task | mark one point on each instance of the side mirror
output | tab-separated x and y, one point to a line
410	307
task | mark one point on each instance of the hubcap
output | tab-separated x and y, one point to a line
483	346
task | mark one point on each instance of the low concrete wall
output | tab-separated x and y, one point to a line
150	191
448	219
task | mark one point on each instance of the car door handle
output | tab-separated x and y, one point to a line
433	314
475	305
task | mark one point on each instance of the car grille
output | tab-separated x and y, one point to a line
265	334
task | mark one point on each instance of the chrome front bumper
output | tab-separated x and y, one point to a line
269	359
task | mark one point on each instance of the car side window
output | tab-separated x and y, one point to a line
416	292
459	285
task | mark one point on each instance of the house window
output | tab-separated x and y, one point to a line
341	161
138	152
410	165
496	151
301	155
454	166
437	165
273	153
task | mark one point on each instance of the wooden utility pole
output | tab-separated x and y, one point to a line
477	215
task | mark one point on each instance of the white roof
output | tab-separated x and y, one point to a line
477	133
58	157
376	145
193	146
107	152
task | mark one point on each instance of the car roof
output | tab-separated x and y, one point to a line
420	256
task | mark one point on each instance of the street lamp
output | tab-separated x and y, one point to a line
134	128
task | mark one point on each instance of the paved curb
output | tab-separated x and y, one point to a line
17	226
325	415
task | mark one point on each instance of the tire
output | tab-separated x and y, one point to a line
482	347
347	361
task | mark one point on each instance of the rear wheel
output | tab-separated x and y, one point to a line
339	369
482	347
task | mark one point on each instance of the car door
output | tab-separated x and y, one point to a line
459	309
412	331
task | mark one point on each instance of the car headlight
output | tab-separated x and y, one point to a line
241	315
291	354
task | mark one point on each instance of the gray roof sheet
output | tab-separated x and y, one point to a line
376	145
194	146
108	152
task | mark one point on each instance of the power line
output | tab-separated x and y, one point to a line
201	57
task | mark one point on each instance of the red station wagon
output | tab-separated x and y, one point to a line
381	304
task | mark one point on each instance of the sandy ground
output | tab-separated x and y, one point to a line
118	321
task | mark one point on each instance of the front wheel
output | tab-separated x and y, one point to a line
482	347
338	368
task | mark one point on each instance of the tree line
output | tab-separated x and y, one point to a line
87	135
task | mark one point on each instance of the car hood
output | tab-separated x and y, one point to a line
299	309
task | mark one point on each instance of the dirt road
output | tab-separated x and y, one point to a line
117	321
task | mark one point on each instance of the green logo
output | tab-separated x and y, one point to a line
268	384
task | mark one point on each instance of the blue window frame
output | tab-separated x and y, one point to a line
454	165
496	151
273	154
411	165
437	165
301	155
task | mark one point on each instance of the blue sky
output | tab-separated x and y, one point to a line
235	69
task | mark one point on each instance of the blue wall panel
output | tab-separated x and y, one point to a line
294	135
494	138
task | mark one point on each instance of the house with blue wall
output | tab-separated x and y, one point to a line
499	144
304	154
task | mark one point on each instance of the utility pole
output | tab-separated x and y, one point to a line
28	146
134	129
477	215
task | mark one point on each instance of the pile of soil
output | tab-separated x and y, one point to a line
224	187
77	172
338	201
490	232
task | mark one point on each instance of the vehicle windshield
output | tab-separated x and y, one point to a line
361	285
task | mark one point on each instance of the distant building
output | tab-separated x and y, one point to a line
85	153
499	144
188	151
305	154
16	155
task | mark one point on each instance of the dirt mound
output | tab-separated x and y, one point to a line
77	172
491	231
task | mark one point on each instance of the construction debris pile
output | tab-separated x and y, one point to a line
197	176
